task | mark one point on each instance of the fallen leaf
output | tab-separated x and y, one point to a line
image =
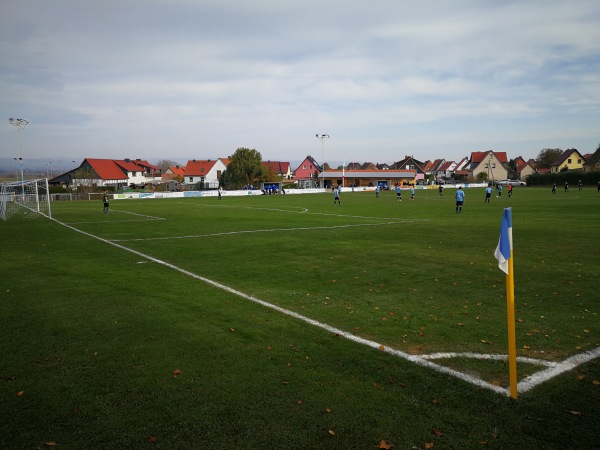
331	433
436	402
299	402
176	372
437	432
381	347
385	445
51	444
596	382
327	410
581	377
526	347
576	413
428	445
152	440
20	393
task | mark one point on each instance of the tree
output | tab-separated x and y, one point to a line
511	167
547	156
164	164
245	168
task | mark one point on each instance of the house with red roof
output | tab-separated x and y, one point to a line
279	168
172	172
115	173
523	170
492	163
204	171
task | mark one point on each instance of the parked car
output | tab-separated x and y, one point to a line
511	182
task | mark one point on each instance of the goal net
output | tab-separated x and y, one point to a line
29	197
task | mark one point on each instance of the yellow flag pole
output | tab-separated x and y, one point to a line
512	337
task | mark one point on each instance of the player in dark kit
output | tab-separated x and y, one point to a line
105	201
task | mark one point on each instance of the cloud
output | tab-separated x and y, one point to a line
382	78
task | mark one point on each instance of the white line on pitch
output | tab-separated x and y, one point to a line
269	230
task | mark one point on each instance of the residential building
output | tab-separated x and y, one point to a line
279	168
410	163
307	168
492	163
568	160
114	173
208	172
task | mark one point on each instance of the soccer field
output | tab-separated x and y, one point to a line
413	280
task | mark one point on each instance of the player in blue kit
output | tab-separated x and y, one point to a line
460	199
336	196
488	194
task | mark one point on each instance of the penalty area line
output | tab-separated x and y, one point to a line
418	360
268	230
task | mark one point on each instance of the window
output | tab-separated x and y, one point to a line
578	161
569	161
304	166
191	179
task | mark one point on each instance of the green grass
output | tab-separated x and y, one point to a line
92	333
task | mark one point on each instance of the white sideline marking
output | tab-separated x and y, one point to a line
422	360
225	233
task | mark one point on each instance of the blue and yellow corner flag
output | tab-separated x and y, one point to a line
504	255
505	244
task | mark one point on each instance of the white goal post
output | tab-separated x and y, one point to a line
30	198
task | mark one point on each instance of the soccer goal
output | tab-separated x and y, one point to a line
30	198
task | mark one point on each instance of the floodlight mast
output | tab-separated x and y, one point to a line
19	123
322	137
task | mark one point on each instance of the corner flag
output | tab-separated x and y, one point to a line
505	244
504	255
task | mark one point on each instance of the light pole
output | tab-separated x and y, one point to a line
19	123
491	167
322	138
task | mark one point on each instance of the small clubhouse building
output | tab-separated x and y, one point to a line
365	178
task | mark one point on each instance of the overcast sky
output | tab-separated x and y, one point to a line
179	79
